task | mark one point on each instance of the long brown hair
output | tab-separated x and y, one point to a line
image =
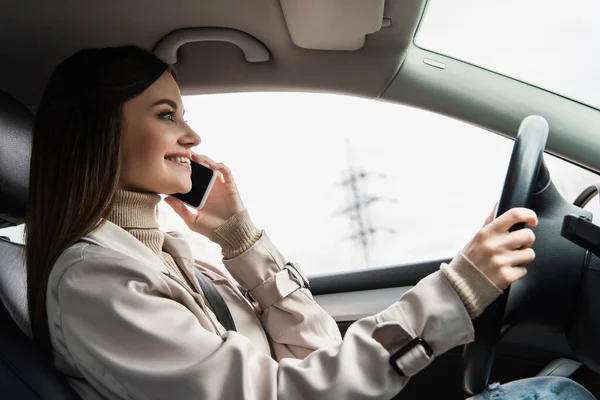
75	159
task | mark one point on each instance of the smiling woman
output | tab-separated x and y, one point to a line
76	155
125	310
156	139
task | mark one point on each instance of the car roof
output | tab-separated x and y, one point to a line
298	38
39	35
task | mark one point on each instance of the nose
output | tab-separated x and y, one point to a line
190	138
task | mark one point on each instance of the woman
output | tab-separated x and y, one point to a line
126	313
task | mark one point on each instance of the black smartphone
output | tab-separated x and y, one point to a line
203	179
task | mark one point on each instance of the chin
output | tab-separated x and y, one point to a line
186	187
180	188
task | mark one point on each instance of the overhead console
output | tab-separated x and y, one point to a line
350	47
332	24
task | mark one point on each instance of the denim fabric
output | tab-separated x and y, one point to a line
538	388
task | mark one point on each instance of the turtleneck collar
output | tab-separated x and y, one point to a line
135	210
137	213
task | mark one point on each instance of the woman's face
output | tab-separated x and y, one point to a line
156	141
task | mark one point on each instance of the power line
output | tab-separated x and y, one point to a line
358	208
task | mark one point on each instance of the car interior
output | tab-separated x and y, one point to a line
546	324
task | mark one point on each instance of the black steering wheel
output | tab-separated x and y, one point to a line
521	181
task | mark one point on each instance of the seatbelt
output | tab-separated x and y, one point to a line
216	302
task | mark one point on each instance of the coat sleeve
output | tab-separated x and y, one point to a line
295	323
130	340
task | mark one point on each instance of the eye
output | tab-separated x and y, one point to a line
168	115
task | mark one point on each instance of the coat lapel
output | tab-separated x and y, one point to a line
116	238
178	248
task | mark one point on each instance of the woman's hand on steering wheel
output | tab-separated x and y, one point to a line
502	255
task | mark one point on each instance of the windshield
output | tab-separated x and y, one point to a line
552	44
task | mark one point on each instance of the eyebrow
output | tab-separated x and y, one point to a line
165	101
168	102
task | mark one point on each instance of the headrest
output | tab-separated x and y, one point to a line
16	128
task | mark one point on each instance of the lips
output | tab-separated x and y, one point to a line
179	161
185	160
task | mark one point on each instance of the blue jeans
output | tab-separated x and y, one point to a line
538	388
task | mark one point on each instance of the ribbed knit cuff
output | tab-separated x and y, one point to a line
236	235
474	288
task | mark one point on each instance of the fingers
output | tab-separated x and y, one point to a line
225	174
502	255
506	276
520	258
523	238
492	215
200	158
512	217
514	258
507	267
180	208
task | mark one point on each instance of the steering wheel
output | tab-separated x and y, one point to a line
521	180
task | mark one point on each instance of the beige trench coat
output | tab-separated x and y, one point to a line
123	327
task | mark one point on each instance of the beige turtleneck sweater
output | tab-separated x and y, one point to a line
137	213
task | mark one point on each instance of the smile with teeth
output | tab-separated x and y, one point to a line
181	161
178	159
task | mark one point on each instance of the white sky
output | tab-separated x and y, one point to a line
287	150
552	44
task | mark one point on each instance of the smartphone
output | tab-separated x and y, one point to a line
203	179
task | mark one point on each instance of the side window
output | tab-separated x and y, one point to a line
14	233
594	207
341	183
571	180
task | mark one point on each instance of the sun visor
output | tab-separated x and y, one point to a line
332	24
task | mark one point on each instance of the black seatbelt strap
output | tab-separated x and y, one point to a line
216	302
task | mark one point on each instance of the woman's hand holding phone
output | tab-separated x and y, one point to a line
223	201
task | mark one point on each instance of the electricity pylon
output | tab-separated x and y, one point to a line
358	208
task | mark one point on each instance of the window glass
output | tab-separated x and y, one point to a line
14	233
547	43
343	183
594	207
